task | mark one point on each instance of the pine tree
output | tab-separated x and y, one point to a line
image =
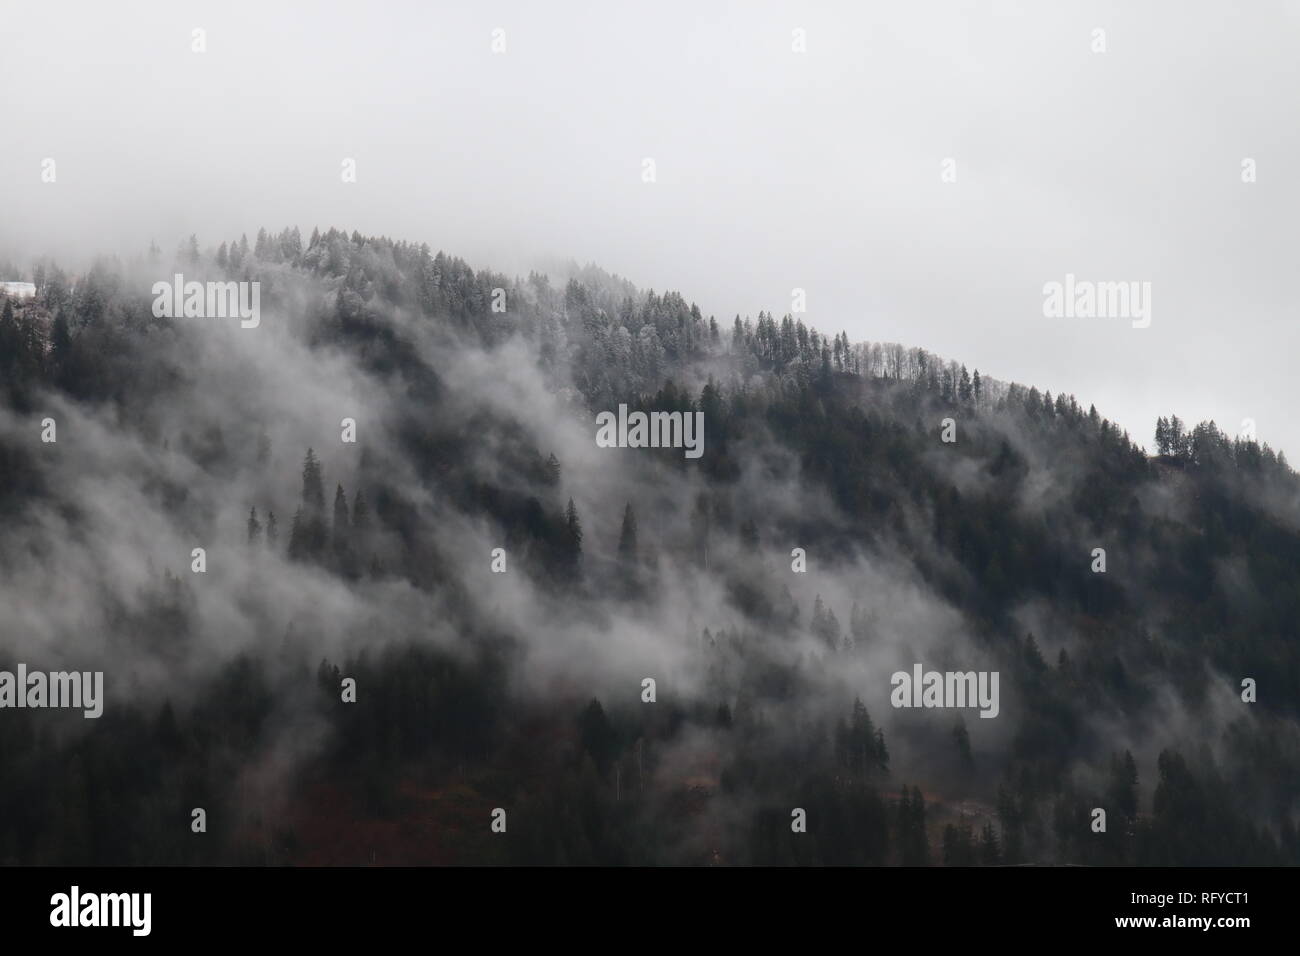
313	488
825	625
862	739
360	524
627	537
1162	437
882	752
297	544
312	530
61	347
342	526
1177	440
272	530
573	540
1033	656
34	346
961	737
254	526
628	558
10	337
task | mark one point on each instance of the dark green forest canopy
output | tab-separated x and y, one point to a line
1201	590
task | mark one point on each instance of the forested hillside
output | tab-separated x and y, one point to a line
858	508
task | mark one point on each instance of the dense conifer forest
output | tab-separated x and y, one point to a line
459	611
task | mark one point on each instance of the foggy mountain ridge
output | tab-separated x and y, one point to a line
475	431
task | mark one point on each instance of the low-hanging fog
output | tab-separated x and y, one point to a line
775	170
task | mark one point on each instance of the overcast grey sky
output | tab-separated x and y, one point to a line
776	169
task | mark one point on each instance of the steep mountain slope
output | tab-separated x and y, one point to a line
858	509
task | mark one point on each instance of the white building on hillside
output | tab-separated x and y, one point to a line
18	290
